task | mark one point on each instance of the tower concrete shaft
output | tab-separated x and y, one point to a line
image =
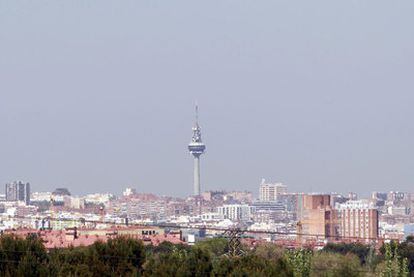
197	185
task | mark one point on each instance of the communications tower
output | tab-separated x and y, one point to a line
196	148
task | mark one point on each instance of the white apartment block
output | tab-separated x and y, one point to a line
357	219
235	212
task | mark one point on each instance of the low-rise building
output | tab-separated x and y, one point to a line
235	212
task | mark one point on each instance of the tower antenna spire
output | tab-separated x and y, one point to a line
196	112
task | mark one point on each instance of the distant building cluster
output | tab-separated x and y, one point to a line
288	218
297	218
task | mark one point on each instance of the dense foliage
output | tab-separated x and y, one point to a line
128	257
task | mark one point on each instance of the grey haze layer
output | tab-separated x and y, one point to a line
99	95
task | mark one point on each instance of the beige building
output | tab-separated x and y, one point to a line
270	192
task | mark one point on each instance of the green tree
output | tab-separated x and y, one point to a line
300	262
394	265
250	265
117	257
269	251
360	250
69	262
406	250
121	256
215	246
329	264
179	262
22	257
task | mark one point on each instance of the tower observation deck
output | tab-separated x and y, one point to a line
196	148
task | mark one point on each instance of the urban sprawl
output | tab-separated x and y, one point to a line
289	219
279	216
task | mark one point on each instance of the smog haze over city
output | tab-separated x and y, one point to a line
96	96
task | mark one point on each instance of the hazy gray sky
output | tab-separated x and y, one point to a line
98	95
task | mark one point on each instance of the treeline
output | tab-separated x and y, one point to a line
128	257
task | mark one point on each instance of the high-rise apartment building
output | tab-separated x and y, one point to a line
18	191
269	192
11	191
357	219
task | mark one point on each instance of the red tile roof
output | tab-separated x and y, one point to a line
61	239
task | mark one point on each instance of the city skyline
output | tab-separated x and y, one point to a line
317	96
